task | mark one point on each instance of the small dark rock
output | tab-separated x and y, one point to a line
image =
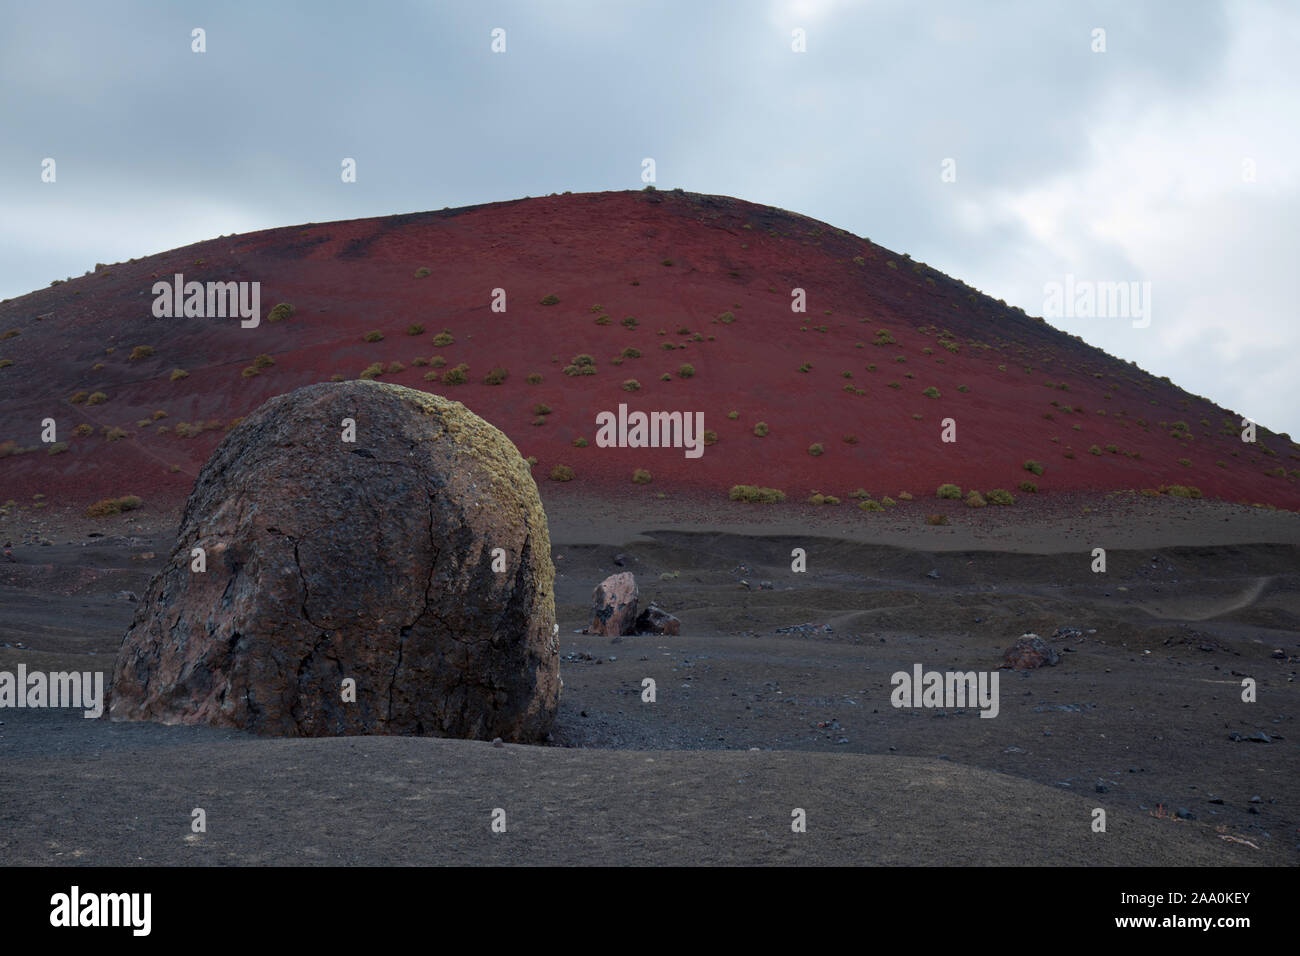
1030	651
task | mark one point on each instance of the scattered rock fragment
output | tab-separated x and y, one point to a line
1030	651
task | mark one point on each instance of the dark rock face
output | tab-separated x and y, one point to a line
655	620
369	561
613	605
1028	652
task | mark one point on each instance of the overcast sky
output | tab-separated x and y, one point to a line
1173	157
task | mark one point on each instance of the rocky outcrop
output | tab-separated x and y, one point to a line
613	606
1028	652
351	587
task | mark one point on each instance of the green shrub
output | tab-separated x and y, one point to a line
710	437
726	318
373	371
421	272
733	415
936	519
374	336
904	496
630	322
541	409
888	502
1185	462
552	300
178	374
755	494
437	361
141	352
631	385
1094	450
561	473
443	339
761	429
1033	466
630	352
58	448
281	312
456	376
263	361
415	328
948	491
685	371
81	431
97	398
815	449
533	378
931	392
496	376
870	505
251	371
103	508
806	367
580	442
1029	487
5	363
641	477
1181	491
999	496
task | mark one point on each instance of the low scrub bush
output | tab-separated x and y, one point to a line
755	494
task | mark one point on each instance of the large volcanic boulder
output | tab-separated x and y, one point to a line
369	560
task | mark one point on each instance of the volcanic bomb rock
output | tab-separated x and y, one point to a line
369	560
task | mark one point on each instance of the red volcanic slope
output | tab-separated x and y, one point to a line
1017	388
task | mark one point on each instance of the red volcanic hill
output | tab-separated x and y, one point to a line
646	283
